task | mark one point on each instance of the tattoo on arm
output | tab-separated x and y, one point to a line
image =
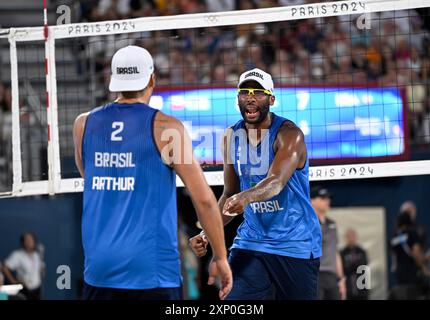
161	123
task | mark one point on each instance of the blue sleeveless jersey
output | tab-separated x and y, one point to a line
129	223
285	224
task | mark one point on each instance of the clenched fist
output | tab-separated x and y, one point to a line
199	245
235	205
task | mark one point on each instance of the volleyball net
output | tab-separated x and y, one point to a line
353	75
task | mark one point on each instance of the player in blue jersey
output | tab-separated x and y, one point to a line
128	154
278	245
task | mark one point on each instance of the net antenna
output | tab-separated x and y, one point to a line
54	165
53	35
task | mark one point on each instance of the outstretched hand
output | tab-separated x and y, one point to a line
220	268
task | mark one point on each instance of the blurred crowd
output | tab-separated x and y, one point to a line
98	10
384	49
343	50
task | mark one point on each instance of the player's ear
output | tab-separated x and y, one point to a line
152	81
272	100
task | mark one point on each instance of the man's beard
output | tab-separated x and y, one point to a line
262	109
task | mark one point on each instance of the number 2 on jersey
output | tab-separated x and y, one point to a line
118	126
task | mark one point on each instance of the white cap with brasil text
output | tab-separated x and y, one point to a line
263	78
131	67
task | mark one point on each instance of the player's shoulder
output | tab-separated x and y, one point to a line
97	110
289	128
81	118
164	121
229	130
288	124
83	115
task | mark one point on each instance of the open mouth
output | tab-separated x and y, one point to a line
252	113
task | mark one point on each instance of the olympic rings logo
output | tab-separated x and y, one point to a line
214	177
218	177
211	18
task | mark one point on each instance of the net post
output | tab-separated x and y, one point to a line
54	157
16	135
54	169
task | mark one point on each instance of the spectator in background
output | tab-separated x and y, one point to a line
220	5
190	264
408	265
190	6
282	70
353	256
414	63
358	57
1	275
5	98
28	266
332	282
403	50
416	93
343	74
309	35
410	209
5	116
291	2
114	9
246	5
3	296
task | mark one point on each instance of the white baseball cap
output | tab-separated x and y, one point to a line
263	78
131	67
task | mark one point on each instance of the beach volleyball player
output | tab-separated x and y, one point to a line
129	222
278	245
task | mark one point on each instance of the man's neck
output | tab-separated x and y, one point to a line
265	124
143	98
257	129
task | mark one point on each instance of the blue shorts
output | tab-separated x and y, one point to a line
259	276
97	293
